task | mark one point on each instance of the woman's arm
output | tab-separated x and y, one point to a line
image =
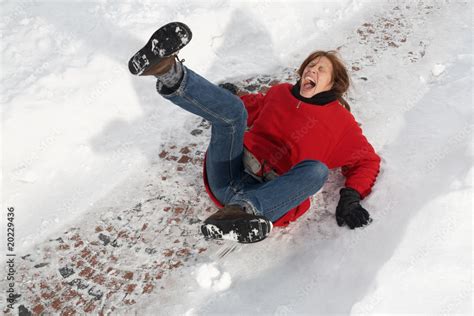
360	163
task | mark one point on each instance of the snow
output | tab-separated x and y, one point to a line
438	69
209	277
81	137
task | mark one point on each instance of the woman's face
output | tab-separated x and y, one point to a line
317	77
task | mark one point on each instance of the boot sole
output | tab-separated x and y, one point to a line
167	40
241	230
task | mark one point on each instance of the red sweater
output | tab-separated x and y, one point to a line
284	131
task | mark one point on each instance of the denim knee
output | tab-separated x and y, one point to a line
238	115
315	171
244	116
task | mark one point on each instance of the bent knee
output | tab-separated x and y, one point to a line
244	114
234	114
316	170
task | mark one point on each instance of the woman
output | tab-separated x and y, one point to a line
268	153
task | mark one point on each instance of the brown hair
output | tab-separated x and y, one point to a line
340	77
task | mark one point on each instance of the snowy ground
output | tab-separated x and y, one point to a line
104	176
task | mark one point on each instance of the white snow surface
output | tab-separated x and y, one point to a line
79	133
209	277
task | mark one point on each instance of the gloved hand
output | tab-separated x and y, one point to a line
349	211
230	87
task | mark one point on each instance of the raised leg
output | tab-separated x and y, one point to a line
228	118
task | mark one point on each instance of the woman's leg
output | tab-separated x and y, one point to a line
228	118
275	198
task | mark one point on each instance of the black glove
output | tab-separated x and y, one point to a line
230	87
349	211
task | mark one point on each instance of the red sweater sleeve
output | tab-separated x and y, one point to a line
360	163
253	103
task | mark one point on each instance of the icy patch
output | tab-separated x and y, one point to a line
438	69
209	277
190	312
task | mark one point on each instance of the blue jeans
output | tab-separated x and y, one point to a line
225	170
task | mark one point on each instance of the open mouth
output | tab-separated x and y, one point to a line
309	83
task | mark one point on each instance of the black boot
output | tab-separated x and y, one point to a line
158	54
233	223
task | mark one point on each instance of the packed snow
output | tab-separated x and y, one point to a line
209	277
83	141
